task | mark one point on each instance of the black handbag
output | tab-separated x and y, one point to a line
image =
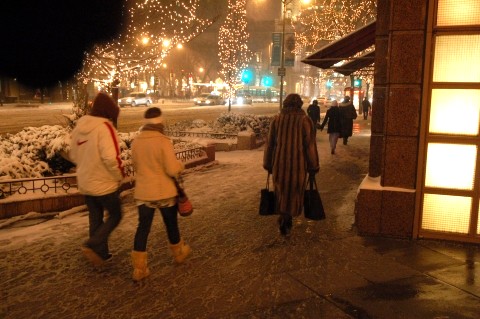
312	203
267	200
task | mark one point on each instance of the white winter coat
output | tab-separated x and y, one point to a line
155	164
95	151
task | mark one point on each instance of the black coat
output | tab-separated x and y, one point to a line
347	115
332	119
313	112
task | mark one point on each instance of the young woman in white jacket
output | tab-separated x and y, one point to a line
156	166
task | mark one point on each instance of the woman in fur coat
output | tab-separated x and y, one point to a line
290	154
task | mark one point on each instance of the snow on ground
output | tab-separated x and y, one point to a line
235	177
239	261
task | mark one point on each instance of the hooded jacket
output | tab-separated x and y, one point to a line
95	150
155	166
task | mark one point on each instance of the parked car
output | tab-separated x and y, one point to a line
208	99
135	99
241	99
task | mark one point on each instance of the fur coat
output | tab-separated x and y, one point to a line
290	153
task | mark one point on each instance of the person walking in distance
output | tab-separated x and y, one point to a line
290	154
313	112
332	120
96	153
156	168
347	115
366	106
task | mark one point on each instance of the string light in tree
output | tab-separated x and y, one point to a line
324	21
152	29
330	20
233	50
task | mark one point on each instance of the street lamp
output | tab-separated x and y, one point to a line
282	70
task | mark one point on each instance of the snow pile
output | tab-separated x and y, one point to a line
230	122
41	151
27	153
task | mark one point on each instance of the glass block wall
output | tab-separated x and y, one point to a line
451	188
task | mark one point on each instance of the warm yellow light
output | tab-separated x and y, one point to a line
145	40
200	70
446	213
164	65
450	166
166	42
456	58
478	224
455	111
306	1
179	46
458	12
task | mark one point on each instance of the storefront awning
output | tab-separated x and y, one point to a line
344	49
356	64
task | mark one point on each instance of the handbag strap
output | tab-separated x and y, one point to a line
312	181
267	186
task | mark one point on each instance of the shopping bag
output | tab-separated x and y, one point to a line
267	200
312	204
185	207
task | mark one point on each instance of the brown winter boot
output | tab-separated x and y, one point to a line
180	251
139	262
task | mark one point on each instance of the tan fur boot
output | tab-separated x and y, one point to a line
180	251
139	262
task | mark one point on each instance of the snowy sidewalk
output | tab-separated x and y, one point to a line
240	266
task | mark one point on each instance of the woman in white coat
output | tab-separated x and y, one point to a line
156	167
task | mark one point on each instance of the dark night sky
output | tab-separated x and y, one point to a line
44	40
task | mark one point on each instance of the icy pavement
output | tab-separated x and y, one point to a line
240	266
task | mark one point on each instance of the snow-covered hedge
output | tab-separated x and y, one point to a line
227	122
37	151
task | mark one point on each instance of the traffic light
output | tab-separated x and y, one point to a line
357	83
267	80
247	76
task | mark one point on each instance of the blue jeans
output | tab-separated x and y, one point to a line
99	229
145	218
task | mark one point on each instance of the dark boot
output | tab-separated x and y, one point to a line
285	224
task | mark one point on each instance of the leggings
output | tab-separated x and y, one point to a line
145	218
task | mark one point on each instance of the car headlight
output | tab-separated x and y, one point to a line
207	101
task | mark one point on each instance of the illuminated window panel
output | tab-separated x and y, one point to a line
478	225
456	58
446	213
450	166
455	112
458	12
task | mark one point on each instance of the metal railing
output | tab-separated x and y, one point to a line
221	136
43	185
63	183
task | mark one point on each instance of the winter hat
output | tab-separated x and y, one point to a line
153	115
334	103
104	106
293	100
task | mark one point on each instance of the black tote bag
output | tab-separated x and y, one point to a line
312	204
267	200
